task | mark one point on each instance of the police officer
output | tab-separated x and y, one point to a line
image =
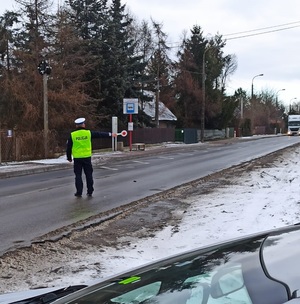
79	145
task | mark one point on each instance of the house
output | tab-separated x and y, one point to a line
166	118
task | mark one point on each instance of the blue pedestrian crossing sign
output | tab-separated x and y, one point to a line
130	105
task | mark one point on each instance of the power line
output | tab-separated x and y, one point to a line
262	33
177	44
263	28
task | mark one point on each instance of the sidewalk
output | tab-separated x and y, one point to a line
12	169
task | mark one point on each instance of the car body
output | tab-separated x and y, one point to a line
261	268
40	295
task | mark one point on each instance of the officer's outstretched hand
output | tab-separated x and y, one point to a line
114	134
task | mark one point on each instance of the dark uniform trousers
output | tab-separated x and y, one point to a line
84	164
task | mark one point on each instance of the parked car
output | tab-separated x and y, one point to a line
262	268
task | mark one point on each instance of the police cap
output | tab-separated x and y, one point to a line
79	121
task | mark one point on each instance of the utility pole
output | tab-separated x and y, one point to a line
203	94
45	70
158	85
157	103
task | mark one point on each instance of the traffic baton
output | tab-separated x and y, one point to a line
123	133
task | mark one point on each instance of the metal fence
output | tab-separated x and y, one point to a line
19	146
6	146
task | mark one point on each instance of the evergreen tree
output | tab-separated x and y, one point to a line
89	18
24	83
196	51
106	32
159	69
71	64
8	30
116	69
142	80
189	79
9	109
99	56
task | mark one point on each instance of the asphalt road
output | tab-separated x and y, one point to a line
36	204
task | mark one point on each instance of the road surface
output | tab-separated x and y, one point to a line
34	205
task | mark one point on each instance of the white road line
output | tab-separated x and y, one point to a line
184	153
109	168
165	157
140	162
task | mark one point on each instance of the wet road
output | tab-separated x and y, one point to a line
33	205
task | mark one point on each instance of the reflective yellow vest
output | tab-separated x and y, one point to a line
82	145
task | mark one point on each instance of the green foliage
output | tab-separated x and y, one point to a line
226	117
201	72
246	127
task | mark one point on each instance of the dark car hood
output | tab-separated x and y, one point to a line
36	296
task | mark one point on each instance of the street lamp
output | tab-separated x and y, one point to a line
291	103
203	93
252	84
277	96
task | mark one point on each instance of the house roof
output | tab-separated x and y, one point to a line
163	112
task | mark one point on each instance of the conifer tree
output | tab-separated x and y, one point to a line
24	83
89	19
196	51
72	64
117	51
160	70
8	105
189	78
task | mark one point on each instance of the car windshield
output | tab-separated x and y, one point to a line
224	275
194	289
210	287
294	123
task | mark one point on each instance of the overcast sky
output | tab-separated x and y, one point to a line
275	54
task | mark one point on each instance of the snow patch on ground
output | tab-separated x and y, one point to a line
259	200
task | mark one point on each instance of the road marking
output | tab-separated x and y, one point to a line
165	157
109	168
185	153
140	162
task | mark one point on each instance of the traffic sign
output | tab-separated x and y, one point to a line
130	106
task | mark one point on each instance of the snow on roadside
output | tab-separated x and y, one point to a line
259	200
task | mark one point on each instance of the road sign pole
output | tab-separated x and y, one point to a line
130	106
130	133
114	130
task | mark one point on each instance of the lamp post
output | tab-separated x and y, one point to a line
291	104
252	84
277	111
203	94
277	96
